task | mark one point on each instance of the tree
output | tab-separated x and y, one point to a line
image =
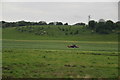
117	25
92	24
66	24
110	25
42	23
59	23
51	23
21	23
81	24
2	24
102	28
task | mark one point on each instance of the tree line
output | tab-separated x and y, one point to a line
104	27
25	23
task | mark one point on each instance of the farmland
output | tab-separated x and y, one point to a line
27	54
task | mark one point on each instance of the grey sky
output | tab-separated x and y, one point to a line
70	12
59	0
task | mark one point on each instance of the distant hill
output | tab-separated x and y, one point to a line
56	32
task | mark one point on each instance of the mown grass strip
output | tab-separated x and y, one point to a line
97	42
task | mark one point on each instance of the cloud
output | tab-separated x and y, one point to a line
60	0
59	11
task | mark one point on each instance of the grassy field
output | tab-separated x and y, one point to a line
55	34
26	55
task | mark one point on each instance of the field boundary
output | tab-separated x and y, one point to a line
97	42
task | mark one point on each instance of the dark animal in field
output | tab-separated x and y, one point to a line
68	65
73	46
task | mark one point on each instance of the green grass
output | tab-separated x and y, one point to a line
55	34
35	63
26	55
61	45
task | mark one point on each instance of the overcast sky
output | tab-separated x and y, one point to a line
70	12
59	0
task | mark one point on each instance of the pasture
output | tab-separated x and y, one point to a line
26	55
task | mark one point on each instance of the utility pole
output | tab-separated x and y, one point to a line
89	17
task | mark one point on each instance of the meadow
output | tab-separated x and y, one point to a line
29	55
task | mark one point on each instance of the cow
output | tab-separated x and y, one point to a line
72	46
